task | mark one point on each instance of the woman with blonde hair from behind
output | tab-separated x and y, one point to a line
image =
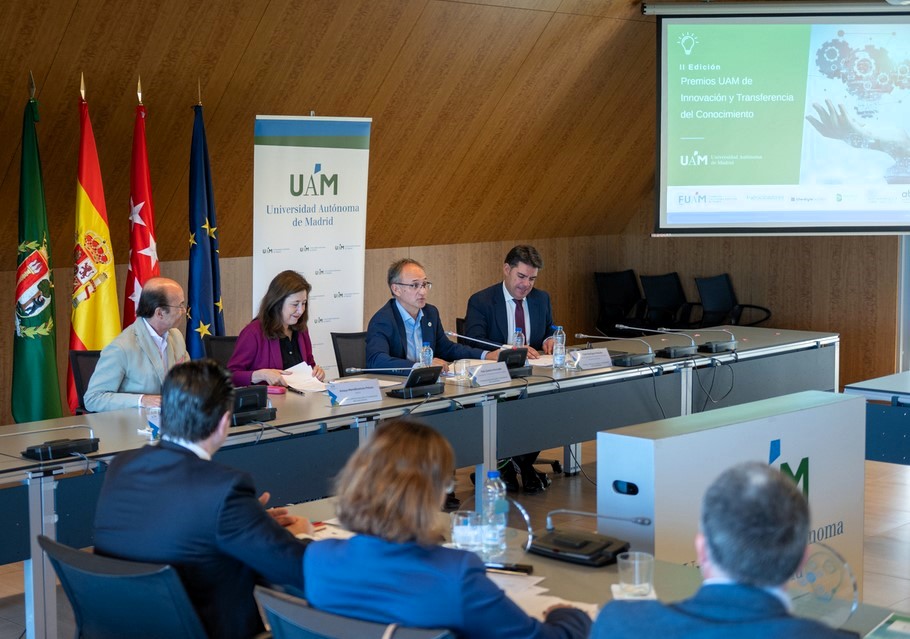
394	570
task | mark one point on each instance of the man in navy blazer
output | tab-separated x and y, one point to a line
491	313
398	330
754	528
170	504
494	313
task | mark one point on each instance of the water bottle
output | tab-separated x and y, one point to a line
518	338
426	355
559	348
495	511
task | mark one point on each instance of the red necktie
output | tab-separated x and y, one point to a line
520	317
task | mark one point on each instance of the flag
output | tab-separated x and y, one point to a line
143	248
204	314
96	317
36	387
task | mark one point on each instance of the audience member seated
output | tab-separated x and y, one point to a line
170	504
754	530
278	338
394	570
131	368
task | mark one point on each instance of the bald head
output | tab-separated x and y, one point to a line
162	303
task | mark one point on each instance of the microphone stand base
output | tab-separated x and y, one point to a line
632	359
520	371
577	547
675	352
417	391
718	347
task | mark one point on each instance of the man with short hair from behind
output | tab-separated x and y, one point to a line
131	368
170	504
753	537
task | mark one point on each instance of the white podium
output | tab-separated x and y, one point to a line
661	469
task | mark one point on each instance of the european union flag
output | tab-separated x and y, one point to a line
205	311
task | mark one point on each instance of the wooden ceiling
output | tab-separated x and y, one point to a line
491	118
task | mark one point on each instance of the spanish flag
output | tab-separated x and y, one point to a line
96	318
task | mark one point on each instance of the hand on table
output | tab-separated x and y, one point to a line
271	376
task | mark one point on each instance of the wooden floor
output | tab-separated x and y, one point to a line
886	578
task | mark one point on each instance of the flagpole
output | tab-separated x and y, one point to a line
82	85
139	89
31	85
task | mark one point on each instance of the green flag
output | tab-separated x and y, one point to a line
36	389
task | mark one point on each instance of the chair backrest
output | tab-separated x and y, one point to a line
219	347
83	364
350	351
619	300
112	598
459	328
290	617
666	300
717	299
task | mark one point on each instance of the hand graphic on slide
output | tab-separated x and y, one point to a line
834	122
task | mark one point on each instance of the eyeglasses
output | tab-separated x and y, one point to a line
416	285
181	306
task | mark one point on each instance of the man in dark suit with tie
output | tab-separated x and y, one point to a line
754	529
170	504
493	315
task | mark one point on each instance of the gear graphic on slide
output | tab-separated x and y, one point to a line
901	75
834	58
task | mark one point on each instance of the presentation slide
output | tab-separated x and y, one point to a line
785	124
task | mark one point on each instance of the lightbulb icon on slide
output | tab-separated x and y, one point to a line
687	41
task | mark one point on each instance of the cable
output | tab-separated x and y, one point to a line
413	408
657	371
549	377
716	364
578	465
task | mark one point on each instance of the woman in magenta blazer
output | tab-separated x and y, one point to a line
278	338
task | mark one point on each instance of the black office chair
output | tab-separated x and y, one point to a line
83	364
219	347
292	618
112	598
350	351
459	328
666	302
719	304
619	301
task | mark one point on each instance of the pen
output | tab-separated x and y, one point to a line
294	390
525	569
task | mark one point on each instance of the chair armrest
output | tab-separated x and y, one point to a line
739	308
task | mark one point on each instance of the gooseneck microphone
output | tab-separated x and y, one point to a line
719	346
375	370
624	359
667	352
479	341
641	521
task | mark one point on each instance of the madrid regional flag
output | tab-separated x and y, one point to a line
96	318
36	389
143	247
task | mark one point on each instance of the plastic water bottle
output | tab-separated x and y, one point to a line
426	355
518	338
495	511
559	348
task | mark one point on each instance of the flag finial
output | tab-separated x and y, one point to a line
31	85
139	89
82	85
199	91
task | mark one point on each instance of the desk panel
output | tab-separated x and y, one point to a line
763	377
549	420
463	429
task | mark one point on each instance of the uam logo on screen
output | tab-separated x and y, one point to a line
315	184
696	159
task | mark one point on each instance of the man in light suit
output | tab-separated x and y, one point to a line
132	367
398	330
494	313
754	530
170	504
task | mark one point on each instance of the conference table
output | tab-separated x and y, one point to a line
576	583
296	456
887	422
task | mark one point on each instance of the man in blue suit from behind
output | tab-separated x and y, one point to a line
754	529
170	504
493	315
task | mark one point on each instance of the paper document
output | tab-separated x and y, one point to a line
544	361
526	592
301	378
383	383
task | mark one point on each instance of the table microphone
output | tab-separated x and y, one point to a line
624	359
375	370
641	521
668	352
721	346
580	547
479	341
